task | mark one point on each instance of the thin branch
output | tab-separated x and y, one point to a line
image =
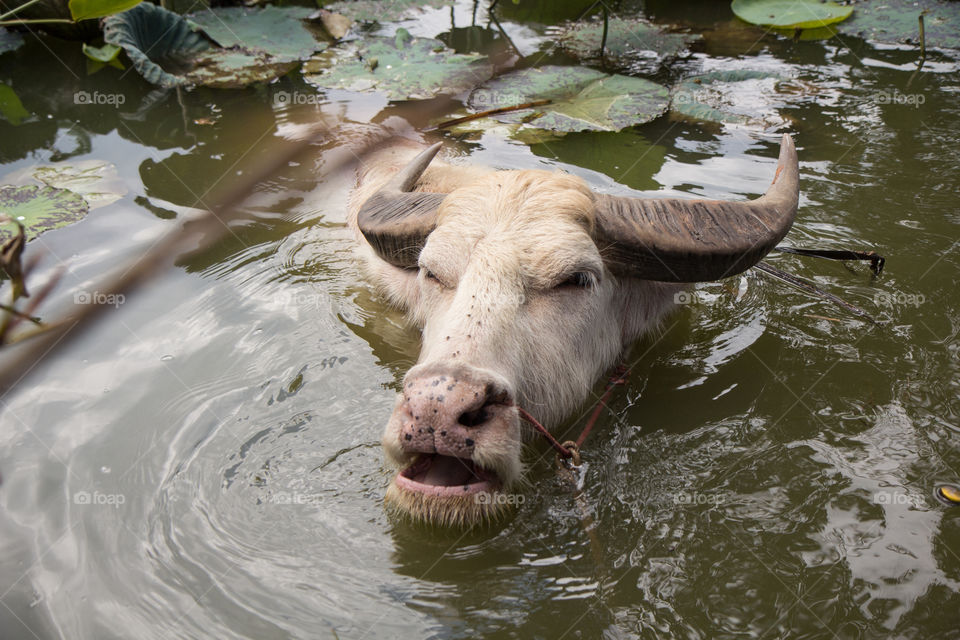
490	112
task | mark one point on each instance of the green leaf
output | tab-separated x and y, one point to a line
96	181
9	40
86	9
10	106
264	44
384	10
402	67
582	99
633	43
278	32
790	14
105	54
895	21
40	209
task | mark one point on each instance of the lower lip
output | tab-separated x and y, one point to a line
439	491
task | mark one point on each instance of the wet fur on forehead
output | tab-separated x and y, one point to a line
520	198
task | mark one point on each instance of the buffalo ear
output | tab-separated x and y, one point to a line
676	240
397	220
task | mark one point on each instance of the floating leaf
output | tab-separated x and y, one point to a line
790	14
895	21
384	10
629	42
402	67
9	40
336	25
735	97
278	32
166	50
10	106
165	36
107	53
40	209
582	99
87	9
94	180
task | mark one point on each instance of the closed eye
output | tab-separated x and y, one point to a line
432	277
579	280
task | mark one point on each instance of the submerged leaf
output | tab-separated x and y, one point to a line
107	53
581	99
9	40
10	106
402	67
790	14
40	209
629	42
384	10
895	21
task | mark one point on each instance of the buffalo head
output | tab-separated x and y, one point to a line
527	286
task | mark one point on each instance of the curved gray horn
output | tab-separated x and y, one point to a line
396	220
673	240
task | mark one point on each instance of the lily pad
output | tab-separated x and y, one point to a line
384	10
629	42
96	181
9	40
790	14
582	99
402	67
733	97
895	21
159	43
10	106
167	51
278	32
40	209
87	9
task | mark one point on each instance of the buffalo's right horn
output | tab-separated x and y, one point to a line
397	220
675	240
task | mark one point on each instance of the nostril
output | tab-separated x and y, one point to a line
474	418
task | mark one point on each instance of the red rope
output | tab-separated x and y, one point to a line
619	377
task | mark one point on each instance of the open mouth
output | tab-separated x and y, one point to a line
440	475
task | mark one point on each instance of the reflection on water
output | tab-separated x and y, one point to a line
206	463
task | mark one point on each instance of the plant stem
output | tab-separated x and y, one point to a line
5	23
20	8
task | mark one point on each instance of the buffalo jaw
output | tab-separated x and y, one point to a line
455	437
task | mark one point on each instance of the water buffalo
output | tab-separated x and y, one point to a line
526	286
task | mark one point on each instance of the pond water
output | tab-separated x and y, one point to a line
205	462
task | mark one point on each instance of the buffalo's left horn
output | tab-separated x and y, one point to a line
397	220
673	240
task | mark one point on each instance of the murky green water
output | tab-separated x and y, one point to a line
767	472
